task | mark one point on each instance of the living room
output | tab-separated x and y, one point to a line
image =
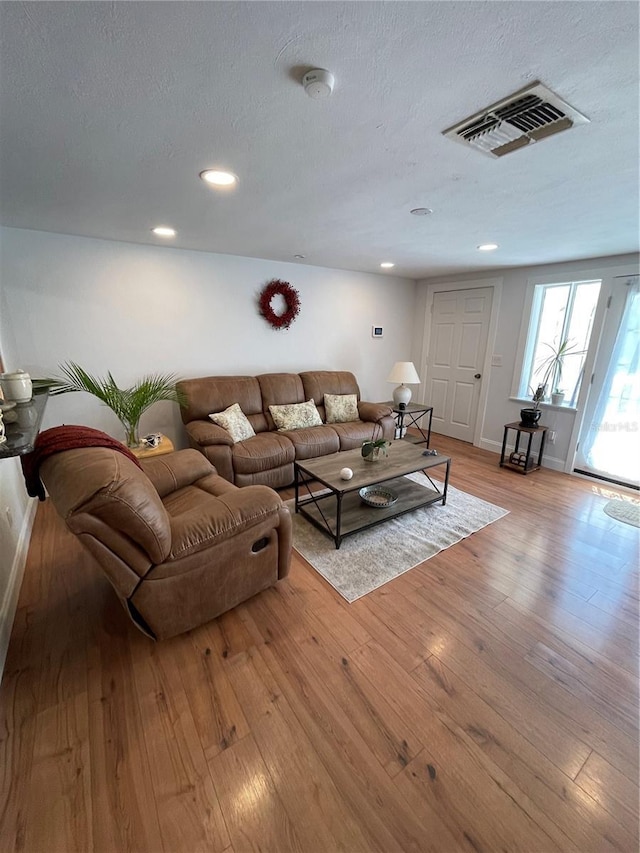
83	279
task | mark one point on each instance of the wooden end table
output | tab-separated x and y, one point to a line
165	446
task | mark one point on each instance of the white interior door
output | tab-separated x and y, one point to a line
457	347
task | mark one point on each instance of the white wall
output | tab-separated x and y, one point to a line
133	309
500	409
137	309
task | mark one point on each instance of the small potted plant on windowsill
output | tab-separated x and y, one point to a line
552	366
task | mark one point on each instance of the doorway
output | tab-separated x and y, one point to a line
458	333
608	441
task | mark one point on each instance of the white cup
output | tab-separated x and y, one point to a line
16	386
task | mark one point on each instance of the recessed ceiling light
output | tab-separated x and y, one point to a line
386	265
487	247
164	231
218	178
421	211
299	257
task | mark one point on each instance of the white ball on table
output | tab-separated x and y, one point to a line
346	473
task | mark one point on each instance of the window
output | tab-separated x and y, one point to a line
560	313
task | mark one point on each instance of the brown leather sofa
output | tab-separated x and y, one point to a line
267	458
179	544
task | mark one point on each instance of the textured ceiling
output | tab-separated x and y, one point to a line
109	111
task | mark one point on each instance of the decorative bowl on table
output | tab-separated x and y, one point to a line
377	497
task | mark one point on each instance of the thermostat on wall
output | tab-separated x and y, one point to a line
376	331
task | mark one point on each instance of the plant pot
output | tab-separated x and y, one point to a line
372	452
557	398
530	417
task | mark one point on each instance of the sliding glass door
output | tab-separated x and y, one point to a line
609	443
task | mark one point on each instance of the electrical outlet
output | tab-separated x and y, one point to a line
9	515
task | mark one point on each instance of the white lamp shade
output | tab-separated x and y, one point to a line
404	372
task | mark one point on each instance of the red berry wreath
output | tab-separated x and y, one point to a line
291	298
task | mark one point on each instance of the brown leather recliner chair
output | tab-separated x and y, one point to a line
179	544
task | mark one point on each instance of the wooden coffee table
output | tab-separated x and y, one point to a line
338	510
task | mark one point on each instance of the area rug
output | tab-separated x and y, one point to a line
371	558
627	511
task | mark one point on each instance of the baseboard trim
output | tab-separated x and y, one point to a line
10	602
547	461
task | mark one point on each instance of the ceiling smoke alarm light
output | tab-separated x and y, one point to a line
318	83
421	211
163	231
487	247
219	178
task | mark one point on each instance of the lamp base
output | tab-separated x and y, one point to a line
401	394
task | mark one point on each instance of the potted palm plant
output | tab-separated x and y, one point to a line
128	404
552	367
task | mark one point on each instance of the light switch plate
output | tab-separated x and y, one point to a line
496	361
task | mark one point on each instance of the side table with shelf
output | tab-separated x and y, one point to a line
413	411
143	452
519	461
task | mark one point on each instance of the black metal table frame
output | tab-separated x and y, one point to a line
325	528
415	417
526	469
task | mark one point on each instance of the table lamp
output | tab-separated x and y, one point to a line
403	372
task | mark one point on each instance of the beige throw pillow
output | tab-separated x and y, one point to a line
235	422
295	415
341	408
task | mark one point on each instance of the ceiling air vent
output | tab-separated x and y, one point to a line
532	114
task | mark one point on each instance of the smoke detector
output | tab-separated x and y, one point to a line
529	115
318	83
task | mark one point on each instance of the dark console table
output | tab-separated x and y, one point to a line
21	434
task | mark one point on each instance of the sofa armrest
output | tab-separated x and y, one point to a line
224	518
206	433
373	411
174	471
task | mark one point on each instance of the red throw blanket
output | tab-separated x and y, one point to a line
56	440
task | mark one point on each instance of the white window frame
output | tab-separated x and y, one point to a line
531	319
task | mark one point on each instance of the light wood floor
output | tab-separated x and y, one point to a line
484	701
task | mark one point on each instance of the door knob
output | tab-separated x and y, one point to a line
478	376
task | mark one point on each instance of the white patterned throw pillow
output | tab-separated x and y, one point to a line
341	408
295	415
235	422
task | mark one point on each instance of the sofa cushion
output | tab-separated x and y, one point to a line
261	453
215	393
352	435
341	408
317	383
235	422
295	416
311	442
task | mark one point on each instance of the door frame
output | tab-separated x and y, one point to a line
595	363
472	284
